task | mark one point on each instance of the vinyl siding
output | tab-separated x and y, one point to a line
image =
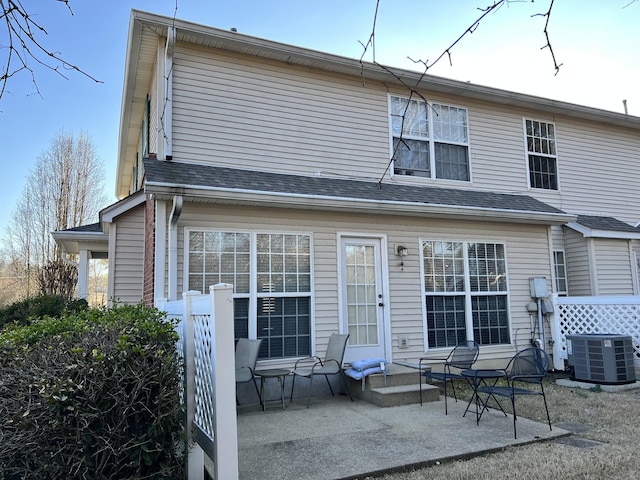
262	115
577	258
527	255
254	113
614	267
128	265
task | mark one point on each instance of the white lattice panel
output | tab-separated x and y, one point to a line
576	316
204	398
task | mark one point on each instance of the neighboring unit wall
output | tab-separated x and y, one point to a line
577	257
127	264
613	266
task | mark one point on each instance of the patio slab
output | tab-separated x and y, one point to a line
337	439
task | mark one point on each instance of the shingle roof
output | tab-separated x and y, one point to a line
605	223
178	174
93	227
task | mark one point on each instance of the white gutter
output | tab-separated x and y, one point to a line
316	202
173	247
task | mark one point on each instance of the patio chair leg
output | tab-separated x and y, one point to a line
309	396
326	377
255	384
513	406
293	382
445	397
420	382
545	405
346	385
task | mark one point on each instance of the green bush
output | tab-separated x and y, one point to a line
93	395
20	313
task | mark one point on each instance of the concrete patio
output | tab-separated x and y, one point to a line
338	439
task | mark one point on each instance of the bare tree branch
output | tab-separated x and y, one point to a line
546	34
446	52
23	47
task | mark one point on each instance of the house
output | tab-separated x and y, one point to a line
334	198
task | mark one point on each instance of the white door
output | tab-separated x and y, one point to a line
362	297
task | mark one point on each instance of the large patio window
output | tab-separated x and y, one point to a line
271	271
466	293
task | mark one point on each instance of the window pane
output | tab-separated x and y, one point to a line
449	123
542	172
284	324
411	157
443	266
408	117
487	267
452	161
490	320
445	321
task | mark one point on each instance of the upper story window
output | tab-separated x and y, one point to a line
429	140
541	151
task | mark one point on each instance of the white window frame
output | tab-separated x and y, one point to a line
541	154
557	277
429	139
254	295
467	292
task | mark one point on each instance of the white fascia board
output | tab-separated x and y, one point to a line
315	202
595	233
73	242
108	214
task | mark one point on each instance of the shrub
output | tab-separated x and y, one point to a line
93	395
20	313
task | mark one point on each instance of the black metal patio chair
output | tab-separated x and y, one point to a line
462	357
524	374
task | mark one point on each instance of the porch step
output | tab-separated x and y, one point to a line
402	395
402	388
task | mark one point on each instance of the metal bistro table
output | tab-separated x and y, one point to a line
476	379
278	373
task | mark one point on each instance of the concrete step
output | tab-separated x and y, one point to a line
402	387
392	396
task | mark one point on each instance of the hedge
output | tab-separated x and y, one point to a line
92	395
20	313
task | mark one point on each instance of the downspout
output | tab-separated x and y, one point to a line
173	247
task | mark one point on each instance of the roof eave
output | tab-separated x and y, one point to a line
598	233
339	204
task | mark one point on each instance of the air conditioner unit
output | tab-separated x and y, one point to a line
601	358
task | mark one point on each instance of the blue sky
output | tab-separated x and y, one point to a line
597	41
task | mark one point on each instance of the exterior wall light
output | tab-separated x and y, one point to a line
402	251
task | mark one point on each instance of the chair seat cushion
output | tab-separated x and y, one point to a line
366	363
360	374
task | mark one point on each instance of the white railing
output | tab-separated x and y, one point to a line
206	345
579	315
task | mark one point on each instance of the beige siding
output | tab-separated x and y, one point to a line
258	114
127	266
599	172
527	255
263	115
613	267
577	258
